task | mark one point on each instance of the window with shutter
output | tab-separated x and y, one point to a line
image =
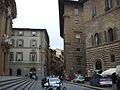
19	56
96	38
76	11
11	56
110	35
94	11
33	56
114	33
118	2
105	36
100	37
108	5
77	37
20	43
33	43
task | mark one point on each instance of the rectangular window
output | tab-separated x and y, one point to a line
94	11
77	38
20	33
76	11
118	2
11	56
19	56
34	33
77	22
33	43
13	42
20	43
108	5
33	56
78	49
112	58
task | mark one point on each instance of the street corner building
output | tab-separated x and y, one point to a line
7	13
91	33
72	31
29	52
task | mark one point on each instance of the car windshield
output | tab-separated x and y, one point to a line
67	76
105	76
81	77
54	79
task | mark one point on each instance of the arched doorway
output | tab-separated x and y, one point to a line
10	72
18	72
98	66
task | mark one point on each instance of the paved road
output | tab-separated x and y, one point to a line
68	86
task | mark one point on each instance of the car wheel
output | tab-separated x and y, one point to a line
110	85
64	88
91	84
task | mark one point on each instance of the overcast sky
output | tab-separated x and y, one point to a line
40	14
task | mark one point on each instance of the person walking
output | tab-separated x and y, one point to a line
118	77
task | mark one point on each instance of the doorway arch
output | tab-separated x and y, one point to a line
10	72
98	66
19	72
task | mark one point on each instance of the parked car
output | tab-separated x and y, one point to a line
54	83
79	79
101	80
67	77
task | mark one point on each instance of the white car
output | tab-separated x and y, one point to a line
53	82
79	79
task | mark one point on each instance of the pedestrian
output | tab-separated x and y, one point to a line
44	80
118	82
118	77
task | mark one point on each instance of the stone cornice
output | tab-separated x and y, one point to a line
104	45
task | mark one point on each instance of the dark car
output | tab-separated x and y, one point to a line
101	80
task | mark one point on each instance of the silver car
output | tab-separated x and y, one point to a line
79	79
54	83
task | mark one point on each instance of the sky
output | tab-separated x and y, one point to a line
40	14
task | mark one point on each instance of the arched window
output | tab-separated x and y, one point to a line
96	38
19	72
111	34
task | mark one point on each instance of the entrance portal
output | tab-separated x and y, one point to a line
98	66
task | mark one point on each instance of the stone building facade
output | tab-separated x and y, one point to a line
100	25
102	28
29	52
7	14
72	30
55	62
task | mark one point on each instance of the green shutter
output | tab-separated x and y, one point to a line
114	33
